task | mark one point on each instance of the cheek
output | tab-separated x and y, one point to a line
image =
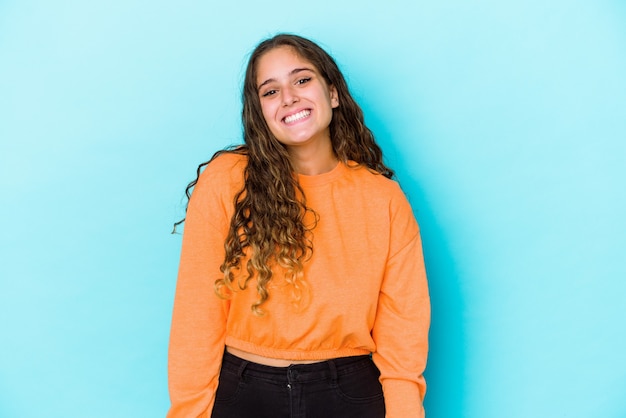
268	111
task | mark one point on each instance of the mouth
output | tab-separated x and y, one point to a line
296	116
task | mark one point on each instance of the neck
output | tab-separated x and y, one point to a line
311	162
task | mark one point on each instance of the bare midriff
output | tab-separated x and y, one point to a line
267	361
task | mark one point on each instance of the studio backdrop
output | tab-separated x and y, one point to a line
505	123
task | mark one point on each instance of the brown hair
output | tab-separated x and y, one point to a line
268	222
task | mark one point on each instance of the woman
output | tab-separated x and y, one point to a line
301	289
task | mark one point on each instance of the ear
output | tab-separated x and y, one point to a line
334	97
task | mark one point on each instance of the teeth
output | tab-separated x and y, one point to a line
297	116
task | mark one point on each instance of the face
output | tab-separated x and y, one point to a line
296	101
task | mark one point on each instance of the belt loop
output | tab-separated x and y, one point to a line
333	370
242	367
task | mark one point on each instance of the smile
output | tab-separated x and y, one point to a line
297	116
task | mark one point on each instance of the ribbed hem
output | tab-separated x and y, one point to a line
304	354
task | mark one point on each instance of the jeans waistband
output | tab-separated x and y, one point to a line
296	372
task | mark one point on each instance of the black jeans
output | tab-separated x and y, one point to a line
341	388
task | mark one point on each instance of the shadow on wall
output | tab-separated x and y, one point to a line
446	369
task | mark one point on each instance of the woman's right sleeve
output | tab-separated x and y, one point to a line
199	317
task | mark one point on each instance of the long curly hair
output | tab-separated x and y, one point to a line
268	225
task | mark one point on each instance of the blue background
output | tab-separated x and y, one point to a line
505	121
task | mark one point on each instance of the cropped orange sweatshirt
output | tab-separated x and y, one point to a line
366	279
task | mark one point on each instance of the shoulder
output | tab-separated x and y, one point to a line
225	164
224	168
372	181
222	175
382	192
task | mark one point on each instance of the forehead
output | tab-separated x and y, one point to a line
279	62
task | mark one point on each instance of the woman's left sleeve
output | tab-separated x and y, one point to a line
403	317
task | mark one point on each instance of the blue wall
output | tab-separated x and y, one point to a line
506	122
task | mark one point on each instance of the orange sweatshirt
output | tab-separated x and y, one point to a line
367	287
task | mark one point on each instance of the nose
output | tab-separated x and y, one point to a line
289	96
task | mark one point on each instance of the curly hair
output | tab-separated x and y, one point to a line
268	225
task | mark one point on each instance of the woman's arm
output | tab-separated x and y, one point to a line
403	318
199	317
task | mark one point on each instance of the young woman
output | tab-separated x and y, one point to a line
301	288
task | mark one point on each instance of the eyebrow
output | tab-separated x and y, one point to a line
292	72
